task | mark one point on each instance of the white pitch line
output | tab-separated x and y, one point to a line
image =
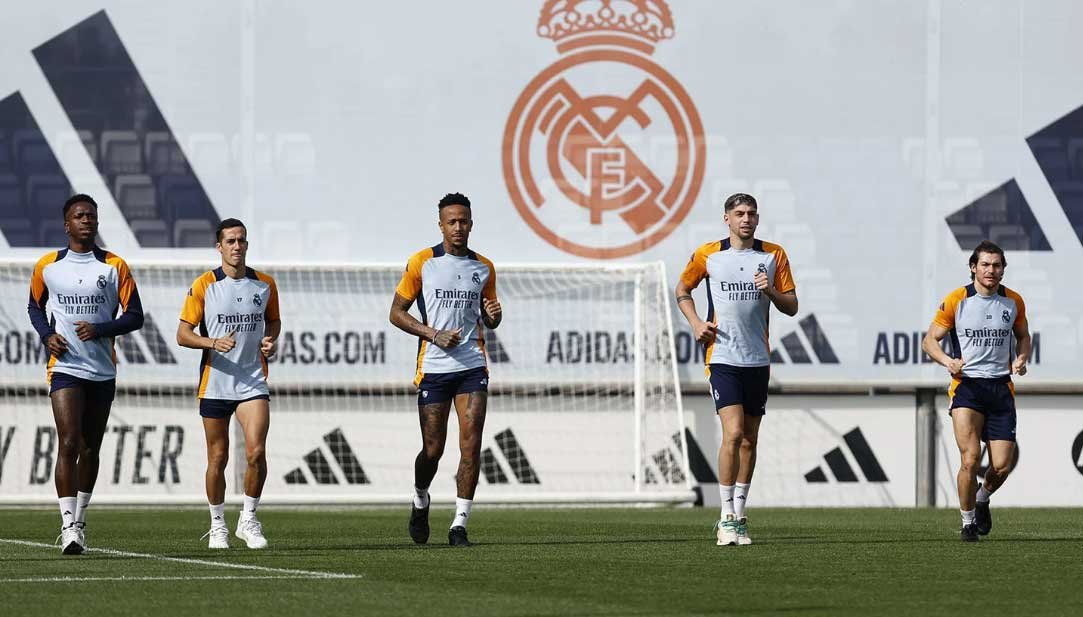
82	579
198	562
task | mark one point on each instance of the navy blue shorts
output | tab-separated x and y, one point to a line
440	387
994	398
221	408
96	391
740	385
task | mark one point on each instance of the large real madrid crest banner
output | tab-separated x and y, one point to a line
882	140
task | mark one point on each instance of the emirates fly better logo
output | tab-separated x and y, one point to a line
604	174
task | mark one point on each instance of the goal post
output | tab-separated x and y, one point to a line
584	403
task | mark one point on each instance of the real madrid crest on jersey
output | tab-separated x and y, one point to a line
604	174
101	281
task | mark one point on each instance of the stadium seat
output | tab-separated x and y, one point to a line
12	199
32	153
136	196
6	165
181	197
121	153
1052	155
209	153
46	193
295	154
963	157
163	155
1010	237
18	232
151	233
77	143
968	236
194	233
261	152
51	233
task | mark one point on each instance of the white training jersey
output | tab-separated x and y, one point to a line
220	305
449	290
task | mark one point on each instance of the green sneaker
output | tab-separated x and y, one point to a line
742	532
727	531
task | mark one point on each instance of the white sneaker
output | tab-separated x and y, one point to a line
742	532
81	528
727	531
219	537
71	540
251	531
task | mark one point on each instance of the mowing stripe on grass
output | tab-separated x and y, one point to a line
198	562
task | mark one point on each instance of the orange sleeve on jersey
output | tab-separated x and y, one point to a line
489	291
783	282
945	314
125	280
37	279
410	285
696	270
192	311
271	314
1020	308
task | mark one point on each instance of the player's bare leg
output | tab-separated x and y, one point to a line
1001	452
216	431
470	408
733	419
255	419
69	405
94	422
747	456
433	420
968	424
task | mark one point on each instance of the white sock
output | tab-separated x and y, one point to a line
248	510
968	517
983	493
462	511
421	497
218	515
740	496
726	493
82	502
67	511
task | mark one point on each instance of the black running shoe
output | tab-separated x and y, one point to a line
969	533
456	536
419	524
983	518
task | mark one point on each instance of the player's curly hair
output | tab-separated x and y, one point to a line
986	246
453	199
76	199
740	199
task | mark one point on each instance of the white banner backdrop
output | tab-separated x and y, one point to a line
1049	458
333	131
147	454
820	451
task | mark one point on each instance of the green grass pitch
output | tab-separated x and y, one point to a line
655	561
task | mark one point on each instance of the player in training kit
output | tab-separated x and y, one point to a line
236	310
75	294
990	340
455	290
745	276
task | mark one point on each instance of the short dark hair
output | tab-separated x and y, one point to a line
227	224
740	199
78	198
986	246
453	199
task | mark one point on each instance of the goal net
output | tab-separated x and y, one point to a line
584	401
